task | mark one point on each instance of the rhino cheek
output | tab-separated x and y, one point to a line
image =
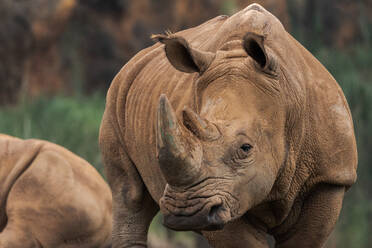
254	188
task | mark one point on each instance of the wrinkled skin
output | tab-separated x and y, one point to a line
51	198
233	130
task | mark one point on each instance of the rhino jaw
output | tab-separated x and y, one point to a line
185	223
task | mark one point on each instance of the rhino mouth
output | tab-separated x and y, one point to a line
187	211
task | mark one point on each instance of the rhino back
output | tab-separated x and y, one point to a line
16	156
61	195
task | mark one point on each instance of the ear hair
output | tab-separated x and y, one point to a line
161	37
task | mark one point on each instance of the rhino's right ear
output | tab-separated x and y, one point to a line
254	45
182	56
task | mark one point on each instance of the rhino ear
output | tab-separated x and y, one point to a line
182	56
254	45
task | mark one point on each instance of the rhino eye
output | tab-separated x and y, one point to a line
246	147
243	152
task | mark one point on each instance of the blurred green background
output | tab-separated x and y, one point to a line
58	57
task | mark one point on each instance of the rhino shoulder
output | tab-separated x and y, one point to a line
331	131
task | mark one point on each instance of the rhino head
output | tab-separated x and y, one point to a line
221	159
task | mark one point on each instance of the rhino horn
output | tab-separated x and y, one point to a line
179	153
202	128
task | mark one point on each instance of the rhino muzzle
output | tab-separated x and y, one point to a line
196	210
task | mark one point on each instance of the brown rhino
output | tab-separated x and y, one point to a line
51	198
235	130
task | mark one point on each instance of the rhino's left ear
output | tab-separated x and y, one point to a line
182	56
254	45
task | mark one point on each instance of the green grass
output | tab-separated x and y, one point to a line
70	122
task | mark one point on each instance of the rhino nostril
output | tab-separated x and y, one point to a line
213	213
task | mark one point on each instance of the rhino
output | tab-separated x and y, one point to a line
234	131
51	198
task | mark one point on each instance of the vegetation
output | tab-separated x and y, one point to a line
72	122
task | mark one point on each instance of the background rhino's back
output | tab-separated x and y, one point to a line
12	151
55	180
133	98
